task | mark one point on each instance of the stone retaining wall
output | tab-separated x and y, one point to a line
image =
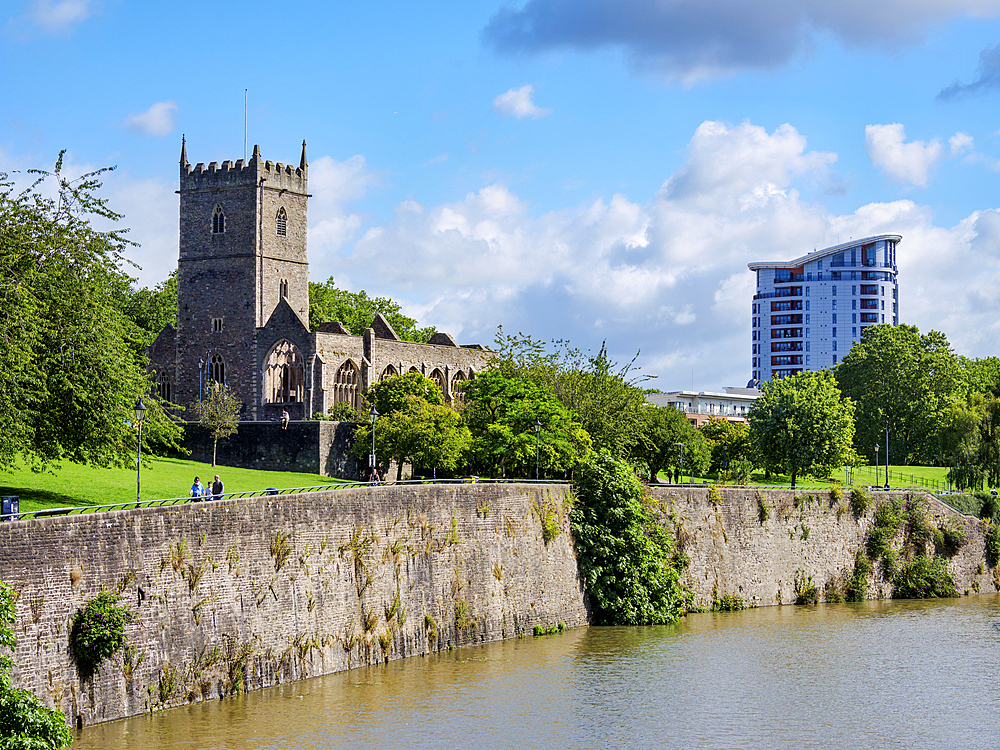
249	593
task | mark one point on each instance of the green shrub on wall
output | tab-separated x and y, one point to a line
99	630
625	553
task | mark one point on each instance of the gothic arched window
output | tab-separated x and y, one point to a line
163	387
388	372
282	222
284	374
438	378
218	221
458	388
216	369
347	385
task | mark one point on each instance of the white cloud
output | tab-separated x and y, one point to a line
666	275
960	143
60	15
904	162
517	103
159	120
333	184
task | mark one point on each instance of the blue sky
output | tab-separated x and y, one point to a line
583	169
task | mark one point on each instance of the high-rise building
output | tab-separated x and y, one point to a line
808	312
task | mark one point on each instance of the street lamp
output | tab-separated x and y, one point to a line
373	415
876	464
140	414
887	456
682	460
538	429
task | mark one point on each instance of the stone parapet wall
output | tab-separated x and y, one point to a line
807	533
255	592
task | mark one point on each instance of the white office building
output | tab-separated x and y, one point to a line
809	312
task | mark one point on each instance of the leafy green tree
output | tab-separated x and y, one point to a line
906	382
605	397
501	412
415	425
72	363
970	442
152	310
728	441
356	310
662	428
25	724
219	413
625	554
802	424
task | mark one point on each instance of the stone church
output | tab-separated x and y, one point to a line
243	305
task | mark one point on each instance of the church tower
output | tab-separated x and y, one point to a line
242	251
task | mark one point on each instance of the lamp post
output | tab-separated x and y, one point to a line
373	415
876	464
538	430
140	414
887	456
681	445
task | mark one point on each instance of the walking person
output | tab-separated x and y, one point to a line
217	488
197	490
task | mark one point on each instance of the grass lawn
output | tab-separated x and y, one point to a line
73	484
899	476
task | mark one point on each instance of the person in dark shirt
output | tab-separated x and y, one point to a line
217	488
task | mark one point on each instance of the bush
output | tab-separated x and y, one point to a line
343	412
924	578
728	603
806	591
99	631
625	554
993	544
856	589
990	507
861	501
886	524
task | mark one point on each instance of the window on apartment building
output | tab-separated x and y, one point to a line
807	333
883	291
883	318
834	359
807	345
807	304
835	319
854	304
807	318
807	289
854	317
835	304
854	333
808	357
835	336
819	276
834	292
854	289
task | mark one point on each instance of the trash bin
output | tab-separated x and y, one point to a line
272	490
9	507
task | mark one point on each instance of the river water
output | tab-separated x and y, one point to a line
913	674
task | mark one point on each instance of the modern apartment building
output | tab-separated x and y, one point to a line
808	312
700	406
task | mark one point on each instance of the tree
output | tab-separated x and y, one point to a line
25	724
356	310
415	425
605	397
905	382
664	427
501	412
72	363
219	413
970	442
625	554
802	424
154	309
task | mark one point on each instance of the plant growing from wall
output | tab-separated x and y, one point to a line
98	631
24	721
624	551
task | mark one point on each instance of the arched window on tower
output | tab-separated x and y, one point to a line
282	222
347	385
218	221
216	369
284	374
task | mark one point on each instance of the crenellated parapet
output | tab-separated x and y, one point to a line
254	171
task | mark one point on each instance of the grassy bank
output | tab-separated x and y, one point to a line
72	484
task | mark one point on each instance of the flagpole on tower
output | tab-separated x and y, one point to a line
244	126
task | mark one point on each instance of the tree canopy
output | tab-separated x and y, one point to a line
802	424
72	362
356	310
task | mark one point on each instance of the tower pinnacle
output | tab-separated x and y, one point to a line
302	161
